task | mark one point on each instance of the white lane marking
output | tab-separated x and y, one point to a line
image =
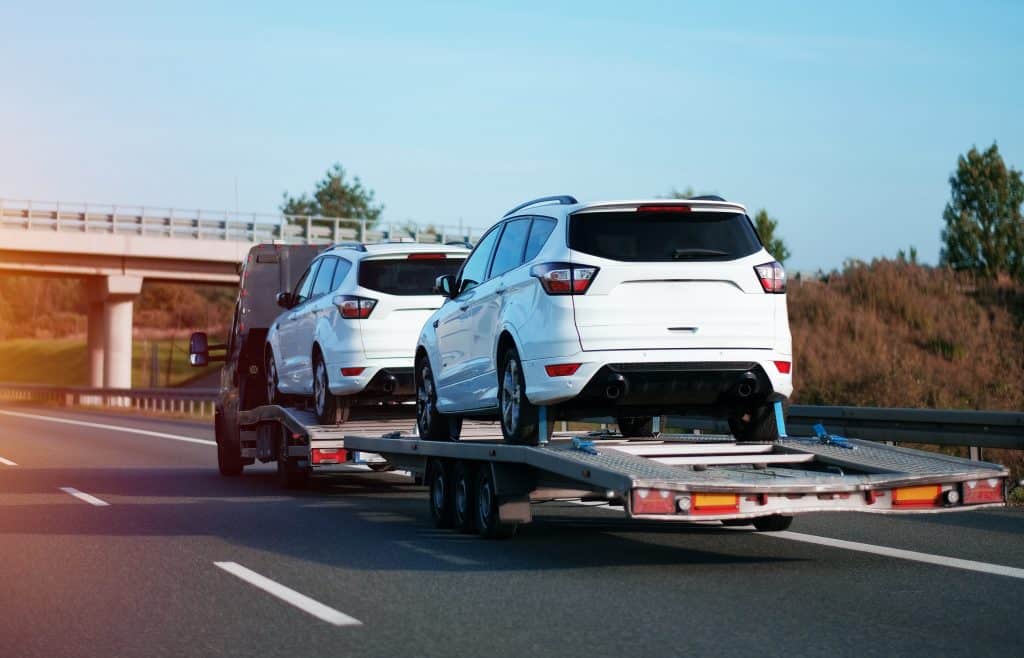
92	500
112	428
439	555
927	558
7	462
288	595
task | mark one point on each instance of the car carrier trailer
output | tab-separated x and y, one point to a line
482	484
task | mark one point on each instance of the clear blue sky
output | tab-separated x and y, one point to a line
843	119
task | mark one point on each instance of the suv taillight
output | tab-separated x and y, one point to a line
564	278
772	277
354	308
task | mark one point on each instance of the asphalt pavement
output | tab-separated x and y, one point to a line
119	538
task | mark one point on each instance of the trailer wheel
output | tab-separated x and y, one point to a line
519	423
756	424
636	426
773	523
229	459
464	497
289	474
440	499
488	519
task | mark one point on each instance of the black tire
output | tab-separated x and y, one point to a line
636	426
488	519
273	392
519	423
229	457
464	497
431	423
440	498
773	523
755	425
328	409
380	467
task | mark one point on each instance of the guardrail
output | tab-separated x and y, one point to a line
193	401
217	225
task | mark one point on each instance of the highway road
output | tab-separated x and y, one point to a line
119	538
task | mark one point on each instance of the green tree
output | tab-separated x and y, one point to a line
336	196
764	224
984	230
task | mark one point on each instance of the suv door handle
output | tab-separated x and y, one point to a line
436	323
500	291
463	307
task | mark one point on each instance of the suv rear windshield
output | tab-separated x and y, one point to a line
663	236
402	276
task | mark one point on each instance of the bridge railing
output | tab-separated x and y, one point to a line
196	224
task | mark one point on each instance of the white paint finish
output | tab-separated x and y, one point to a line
899	553
290	596
112	428
92	500
7	462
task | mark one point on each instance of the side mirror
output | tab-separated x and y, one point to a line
284	299
199	350
445	285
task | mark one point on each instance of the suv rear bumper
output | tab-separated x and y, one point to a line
381	379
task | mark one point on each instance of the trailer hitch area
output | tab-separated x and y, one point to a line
583	445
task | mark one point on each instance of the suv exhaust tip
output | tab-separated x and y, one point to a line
389	384
747	386
616	387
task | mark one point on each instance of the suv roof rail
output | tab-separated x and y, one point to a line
358	246
706	197
562	199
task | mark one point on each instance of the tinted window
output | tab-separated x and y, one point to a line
305	284
539	233
663	236
324	275
339	272
509	254
476	267
406	276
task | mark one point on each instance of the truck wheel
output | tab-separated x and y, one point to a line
438	479
328	411
289	474
488	520
431	423
229	458
636	426
273	393
518	415
773	523
755	425
464	497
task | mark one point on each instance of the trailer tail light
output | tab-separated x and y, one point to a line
325	456
983	491
354	308
921	496
562	369
784	366
653	501
352	372
564	278
772	277
714	503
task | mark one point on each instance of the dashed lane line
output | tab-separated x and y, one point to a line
112	428
92	500
7	462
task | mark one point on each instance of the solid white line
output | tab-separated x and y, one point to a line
7	462
288	595
112	428
927	558
92	500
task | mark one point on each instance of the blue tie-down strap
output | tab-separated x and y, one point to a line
831	439
583	445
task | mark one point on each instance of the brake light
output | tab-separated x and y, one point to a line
783	366
713	503
328	455
983	491
920	496
772	277
354	308
562	369
653	501
664	209
352	372
564	278
426	256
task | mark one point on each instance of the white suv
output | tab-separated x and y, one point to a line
349	333
629	309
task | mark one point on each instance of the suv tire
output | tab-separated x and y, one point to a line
431	423
328	410
636	426
518	416
756	425
273	392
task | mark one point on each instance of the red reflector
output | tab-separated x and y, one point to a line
562	369
983	491
426	256
329	455
653	501
783	366
677	208
352	372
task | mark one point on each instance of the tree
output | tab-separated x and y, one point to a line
336	197
984	230
764	225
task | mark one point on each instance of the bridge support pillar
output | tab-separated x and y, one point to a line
119	293
97	334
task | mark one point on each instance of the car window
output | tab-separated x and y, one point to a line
340	271
509	253
474	271
413	275
539	233
305	284
324	276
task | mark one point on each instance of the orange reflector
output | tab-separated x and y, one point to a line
922	496
710	503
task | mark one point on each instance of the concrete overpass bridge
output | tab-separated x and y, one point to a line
114	248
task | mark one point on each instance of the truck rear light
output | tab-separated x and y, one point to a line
920	496
653	501
983	491
562	369
715	503
772	277
354	308
426	257
564	278
783	366
329	456
352	372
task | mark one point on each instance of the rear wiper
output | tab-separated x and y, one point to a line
684	254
